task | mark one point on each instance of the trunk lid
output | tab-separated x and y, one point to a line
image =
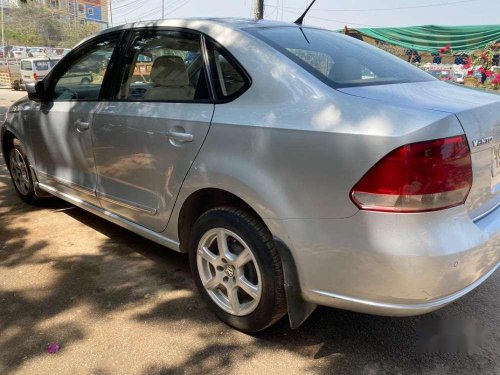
482	128
479	115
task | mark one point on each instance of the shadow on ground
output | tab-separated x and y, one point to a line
128	273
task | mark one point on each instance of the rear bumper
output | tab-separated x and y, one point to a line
392	309
392	264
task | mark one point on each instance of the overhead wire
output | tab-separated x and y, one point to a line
334	20
173	7
130	10
155	11
345	22
385	9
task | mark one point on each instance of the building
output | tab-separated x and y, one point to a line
83	10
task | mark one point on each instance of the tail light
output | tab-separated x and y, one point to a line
35	76
423	176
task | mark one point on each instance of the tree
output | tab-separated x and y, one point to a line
71	35
33	23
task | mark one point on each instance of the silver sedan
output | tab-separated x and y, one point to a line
297	166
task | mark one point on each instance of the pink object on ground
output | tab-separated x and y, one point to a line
53	348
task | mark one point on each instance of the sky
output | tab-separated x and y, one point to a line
332	14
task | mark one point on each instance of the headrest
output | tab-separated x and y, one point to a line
346	69
169	71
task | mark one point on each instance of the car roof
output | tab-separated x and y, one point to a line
233	23
197	23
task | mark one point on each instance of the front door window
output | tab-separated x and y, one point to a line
83	79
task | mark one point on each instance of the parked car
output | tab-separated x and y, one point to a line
35	69
296	166
18	52
61	51
458	77
37	52
442	74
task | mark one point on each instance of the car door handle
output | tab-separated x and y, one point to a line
181	137
81	125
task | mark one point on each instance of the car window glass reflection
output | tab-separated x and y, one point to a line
83	79
339	61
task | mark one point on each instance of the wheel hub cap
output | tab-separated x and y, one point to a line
229	271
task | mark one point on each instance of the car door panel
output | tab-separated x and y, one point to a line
64	157
148	134
140	162
61	125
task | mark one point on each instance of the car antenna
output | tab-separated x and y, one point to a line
303	33
301	18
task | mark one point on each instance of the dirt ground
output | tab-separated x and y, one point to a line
119	304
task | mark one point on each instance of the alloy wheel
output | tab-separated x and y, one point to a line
19	170
229	271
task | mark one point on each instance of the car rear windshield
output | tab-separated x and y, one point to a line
339	60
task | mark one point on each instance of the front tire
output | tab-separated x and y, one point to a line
237	269
20	173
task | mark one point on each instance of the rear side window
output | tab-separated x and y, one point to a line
228	78
337	60
26	65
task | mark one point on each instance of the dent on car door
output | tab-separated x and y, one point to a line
148	135
60	130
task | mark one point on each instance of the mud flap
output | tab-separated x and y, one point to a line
38	192
298	309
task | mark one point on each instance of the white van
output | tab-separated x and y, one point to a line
35	69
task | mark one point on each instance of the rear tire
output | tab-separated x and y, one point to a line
20	173
248	270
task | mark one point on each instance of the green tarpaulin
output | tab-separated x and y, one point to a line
431	38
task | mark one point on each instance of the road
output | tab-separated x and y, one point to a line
119	304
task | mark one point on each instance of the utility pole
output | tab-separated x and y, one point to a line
68	12
75	10
111	12
162	9
258	11
3	40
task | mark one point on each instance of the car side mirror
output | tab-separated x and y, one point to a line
36	91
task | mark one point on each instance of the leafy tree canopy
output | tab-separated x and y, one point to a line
35	24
